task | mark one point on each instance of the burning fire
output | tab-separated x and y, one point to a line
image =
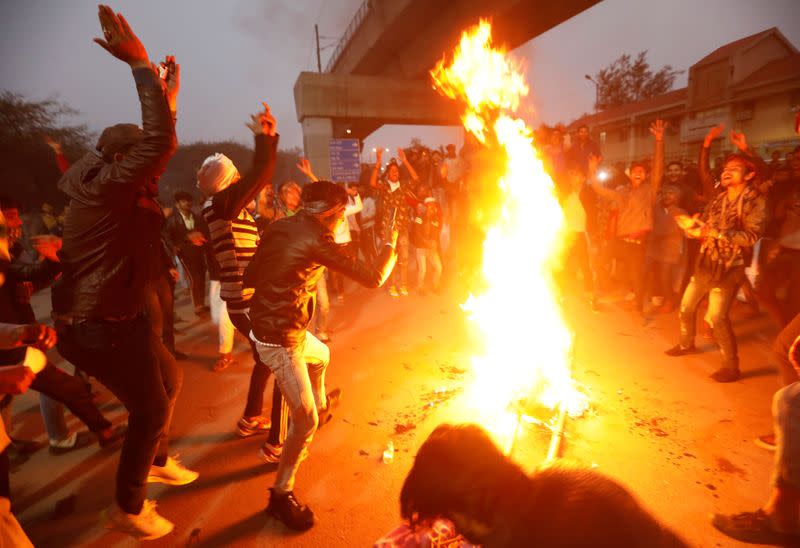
526	345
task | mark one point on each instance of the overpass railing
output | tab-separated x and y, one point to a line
354	25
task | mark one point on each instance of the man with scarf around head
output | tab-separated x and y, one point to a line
290	261
112	236
234	238
730	226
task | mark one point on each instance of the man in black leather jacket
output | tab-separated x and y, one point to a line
289	263
111	240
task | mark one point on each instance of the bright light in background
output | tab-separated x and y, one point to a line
525	346
602	175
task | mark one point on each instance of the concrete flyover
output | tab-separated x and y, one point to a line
378	73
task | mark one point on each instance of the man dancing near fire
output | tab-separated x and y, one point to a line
287	266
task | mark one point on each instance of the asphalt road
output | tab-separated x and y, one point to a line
679	441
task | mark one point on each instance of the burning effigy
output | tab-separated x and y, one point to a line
525	348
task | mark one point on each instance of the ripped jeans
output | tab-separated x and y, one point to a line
300	373
720	298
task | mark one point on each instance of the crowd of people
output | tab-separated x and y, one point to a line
266	260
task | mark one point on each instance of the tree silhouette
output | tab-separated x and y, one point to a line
28	169
628	80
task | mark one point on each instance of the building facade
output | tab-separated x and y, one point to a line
751	85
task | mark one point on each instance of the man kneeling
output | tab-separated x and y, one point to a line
290	260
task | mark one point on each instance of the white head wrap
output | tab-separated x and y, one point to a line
217	173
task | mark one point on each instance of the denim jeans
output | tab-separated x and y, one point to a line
131	361
58	389
53	416
786	416
720	298
300	372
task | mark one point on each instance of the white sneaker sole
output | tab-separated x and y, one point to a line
171	481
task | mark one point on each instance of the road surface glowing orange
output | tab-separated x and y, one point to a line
525	346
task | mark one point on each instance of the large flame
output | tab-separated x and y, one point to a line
525	344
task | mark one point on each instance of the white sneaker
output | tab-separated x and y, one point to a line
172	473
146	525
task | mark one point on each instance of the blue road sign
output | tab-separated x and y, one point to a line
345	160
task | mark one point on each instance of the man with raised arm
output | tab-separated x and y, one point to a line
635	202
731	224
394	192
234	239
112	235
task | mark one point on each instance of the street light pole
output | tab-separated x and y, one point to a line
596	90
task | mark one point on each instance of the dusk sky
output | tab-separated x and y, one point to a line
236	53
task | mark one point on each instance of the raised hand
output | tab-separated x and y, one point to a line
305	168
53	144
378	157
401	155
120	41
657	129
263	123
712	134
738	139
169	73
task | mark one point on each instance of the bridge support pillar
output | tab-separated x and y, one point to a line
317	133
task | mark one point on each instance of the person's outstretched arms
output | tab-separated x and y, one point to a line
402	155
61	160
740	142
147	158
231	200
657	175
594	182
331	255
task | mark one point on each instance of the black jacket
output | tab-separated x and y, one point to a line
290	260
112	231
175	233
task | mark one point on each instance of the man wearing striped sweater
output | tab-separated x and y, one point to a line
234	238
